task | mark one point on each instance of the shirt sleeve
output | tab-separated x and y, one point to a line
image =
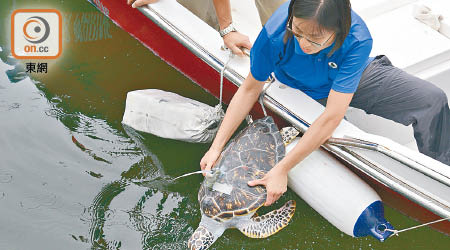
352	67
261	64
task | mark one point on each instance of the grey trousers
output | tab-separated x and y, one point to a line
391	93
204	9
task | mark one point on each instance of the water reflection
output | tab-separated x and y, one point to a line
135	207
141	207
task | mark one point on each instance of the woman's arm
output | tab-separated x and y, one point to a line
321	129
239	107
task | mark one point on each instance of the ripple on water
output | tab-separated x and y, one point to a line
73	209
124	213
37	201
5	177
12	106
163	220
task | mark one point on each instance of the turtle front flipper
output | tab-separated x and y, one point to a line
270	223
203	238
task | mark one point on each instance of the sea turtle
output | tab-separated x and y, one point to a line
226	201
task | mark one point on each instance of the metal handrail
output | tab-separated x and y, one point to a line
358	143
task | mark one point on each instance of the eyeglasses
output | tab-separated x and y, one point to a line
300	36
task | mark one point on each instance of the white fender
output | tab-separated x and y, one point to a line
337	194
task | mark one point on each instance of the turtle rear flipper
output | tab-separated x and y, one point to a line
201	239
270	223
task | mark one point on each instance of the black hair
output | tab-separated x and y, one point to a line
333	15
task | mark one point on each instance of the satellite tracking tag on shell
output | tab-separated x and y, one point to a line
223	188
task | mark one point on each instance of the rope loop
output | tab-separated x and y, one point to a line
231	55
263	93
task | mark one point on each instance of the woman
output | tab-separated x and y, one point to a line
322	48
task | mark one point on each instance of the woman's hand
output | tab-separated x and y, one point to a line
235	41
139	3
209	159
275	182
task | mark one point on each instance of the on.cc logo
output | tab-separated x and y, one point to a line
39	26
36	33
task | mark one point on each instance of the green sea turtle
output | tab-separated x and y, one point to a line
226	201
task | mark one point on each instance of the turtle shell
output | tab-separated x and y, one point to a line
249	156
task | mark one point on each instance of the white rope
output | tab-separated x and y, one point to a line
396	232
196	172
221	82
261	96
262	104
221	74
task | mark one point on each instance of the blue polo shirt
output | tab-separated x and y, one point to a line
314	74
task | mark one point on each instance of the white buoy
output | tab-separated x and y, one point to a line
339	195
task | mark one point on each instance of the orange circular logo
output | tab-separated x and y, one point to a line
36	29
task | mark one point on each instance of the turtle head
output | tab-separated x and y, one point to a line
288	134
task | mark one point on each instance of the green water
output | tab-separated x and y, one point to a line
71	177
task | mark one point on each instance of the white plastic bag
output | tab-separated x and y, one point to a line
172	116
